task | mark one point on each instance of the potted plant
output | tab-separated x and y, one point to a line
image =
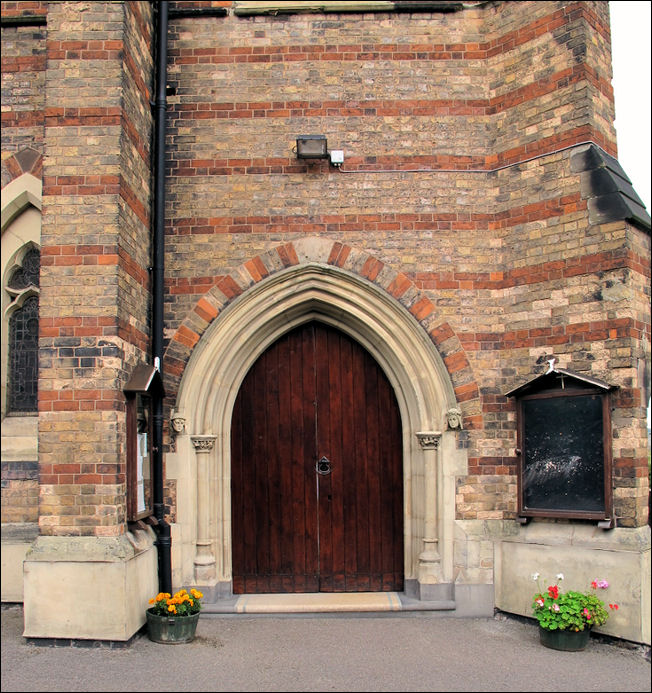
566	618
173	619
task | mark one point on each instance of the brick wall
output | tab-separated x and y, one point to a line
456	130
504	252
23	79
95	238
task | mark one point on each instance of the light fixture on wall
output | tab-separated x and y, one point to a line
316	147
312	147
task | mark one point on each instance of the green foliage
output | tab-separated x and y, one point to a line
570	610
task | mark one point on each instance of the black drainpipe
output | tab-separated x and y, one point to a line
161	527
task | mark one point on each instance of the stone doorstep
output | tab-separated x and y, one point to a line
323	602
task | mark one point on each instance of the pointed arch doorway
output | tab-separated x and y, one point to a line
218	364
316	469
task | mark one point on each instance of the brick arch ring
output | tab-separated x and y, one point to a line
326	254
232	325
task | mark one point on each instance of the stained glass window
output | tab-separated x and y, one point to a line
22	382
28	272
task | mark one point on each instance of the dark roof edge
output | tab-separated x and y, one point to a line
603	385
144	379
607	189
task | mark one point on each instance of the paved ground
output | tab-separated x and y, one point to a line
407	652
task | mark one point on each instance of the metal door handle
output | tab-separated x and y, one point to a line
323	466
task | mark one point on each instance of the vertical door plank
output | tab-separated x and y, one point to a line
359	415
337	343
346	488
274	464
310	509
259	463
286	441
373	471
322	358
299	434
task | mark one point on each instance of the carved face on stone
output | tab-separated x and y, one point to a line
178	422
454	418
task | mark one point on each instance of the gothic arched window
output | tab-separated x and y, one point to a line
22	380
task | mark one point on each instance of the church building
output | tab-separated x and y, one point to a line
320	299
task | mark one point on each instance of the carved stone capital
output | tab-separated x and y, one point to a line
429	440
203	443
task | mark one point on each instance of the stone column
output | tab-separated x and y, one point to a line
204	558
429	558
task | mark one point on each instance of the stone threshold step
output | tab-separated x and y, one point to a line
323	602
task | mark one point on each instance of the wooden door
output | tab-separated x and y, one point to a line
316	466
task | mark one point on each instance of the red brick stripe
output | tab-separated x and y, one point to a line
490	465
80	400
558	334
137	207
78	326
84	50
23	63
376	222
24	9
22	119
80	117
143	28
89	117
137	76
394	107
531	274
71	255
108	184
92	326
190	285
434	163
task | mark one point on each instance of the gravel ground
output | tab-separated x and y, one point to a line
409	652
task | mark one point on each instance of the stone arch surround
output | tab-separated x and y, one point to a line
233	323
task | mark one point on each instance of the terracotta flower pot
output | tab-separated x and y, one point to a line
567	640
171	630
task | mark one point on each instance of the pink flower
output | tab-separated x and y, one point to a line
555	607
587	615
539	601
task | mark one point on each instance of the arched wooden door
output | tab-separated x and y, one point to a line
316	468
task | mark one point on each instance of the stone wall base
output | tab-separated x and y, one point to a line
89	588
582	553
16	541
